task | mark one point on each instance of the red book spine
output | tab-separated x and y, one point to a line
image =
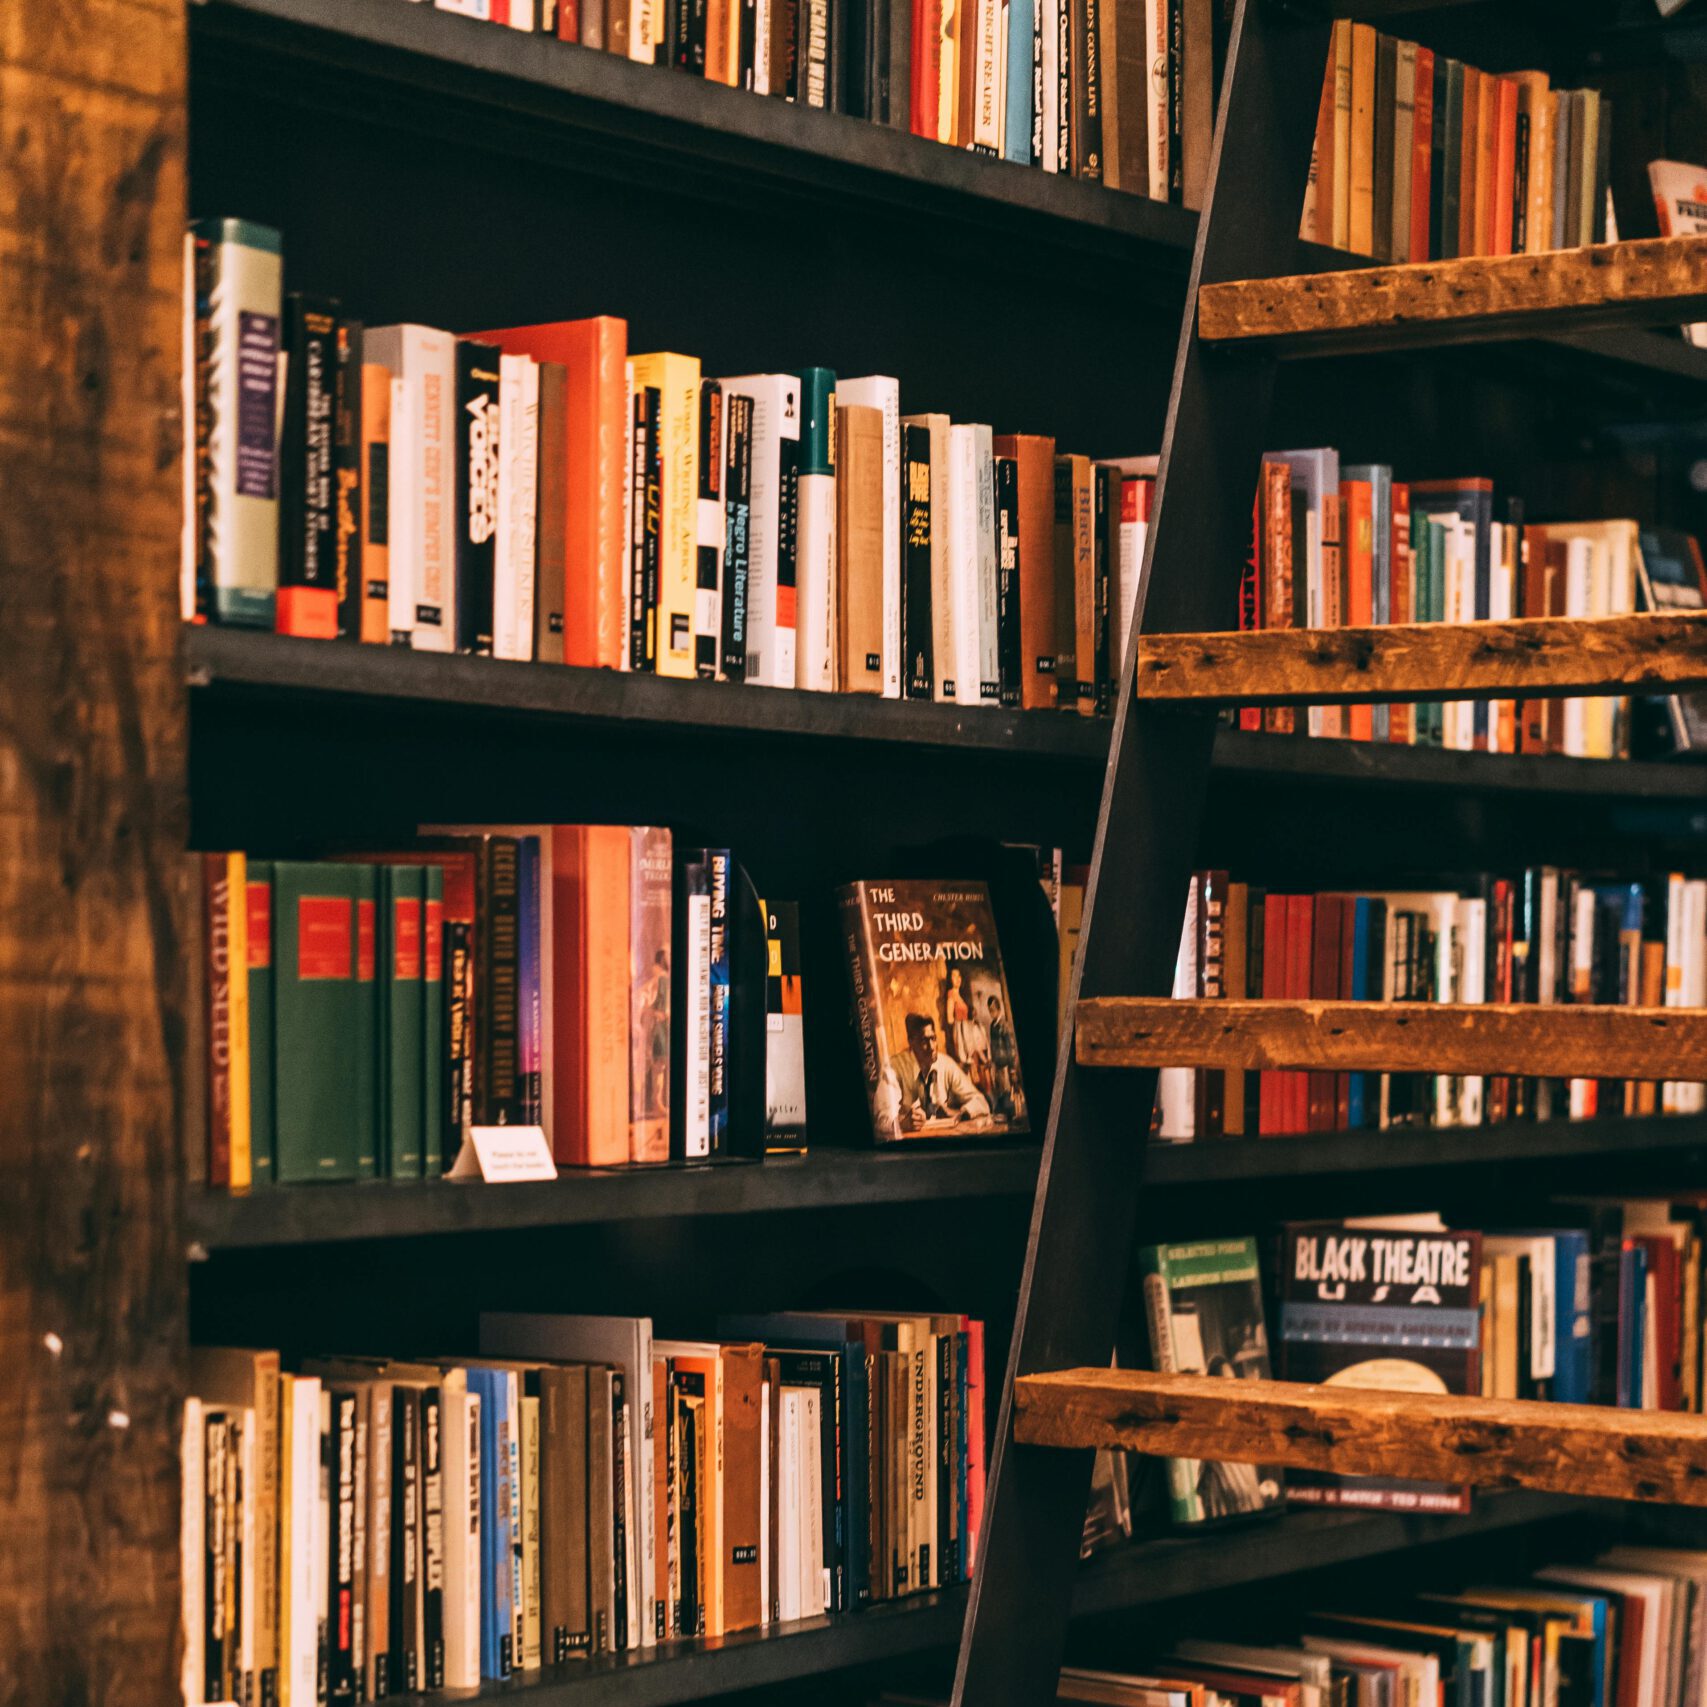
927	66
1251	601
501	12
1505	163
1347	988
569	20
1271	1086
1399	717
1422	155
1300	934
974	1438
1359	584
1325	949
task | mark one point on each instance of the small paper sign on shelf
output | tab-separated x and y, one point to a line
503	1155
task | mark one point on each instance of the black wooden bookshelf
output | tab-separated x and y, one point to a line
829	1179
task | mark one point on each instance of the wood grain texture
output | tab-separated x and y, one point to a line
1592	1450
1538	657
1646	282
1395	1037
92	868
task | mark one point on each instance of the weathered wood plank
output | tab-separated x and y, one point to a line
92	867
1592	1450
1395	1037
1533	658
1646	282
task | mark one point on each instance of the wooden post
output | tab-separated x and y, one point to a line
92	867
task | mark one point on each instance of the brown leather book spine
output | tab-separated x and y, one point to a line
1469	160
859	543
552	511
601	1511
1036	459
743	1380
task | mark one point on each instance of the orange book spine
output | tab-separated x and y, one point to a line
376	547
1358	497
1469	138
1036	459
1422	155
1360	234
1278	571
1505	164
1318	226
1487	161
1401	598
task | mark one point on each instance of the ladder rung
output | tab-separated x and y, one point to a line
1592	1450
1531	658
1394	1037
1644	282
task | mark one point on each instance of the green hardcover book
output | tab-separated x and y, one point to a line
1203	1304
433	1022
260	906
402	888
317	1032
364	1092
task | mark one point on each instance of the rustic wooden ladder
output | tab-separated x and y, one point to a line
1239	322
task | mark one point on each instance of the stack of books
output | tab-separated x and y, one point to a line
579	1488
1543	935
540	493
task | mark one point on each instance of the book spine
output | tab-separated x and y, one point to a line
1087	89
551	512
433	1024
917	645
375	505
259	934
816	559
216	915
347	478
516	538
1105	548
718	864
738	500
1010	658
711	534
477	459
308	596
498	945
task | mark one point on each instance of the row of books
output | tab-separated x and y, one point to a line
364	1015
1545	935
539	493
359	1527
1621	1628
1347	546
1599	1303
1419	157
1119	92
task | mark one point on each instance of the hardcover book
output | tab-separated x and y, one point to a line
932	1010
1385	1307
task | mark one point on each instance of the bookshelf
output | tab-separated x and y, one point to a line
138	740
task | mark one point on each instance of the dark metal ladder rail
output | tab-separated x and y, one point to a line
1082	1221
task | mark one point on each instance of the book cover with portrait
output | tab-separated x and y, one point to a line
931	1009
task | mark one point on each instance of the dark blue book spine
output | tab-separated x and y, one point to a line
530	1015
721	869
1573	1359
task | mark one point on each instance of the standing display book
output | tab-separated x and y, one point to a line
932	1010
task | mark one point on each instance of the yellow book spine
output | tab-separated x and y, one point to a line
676	379
237	928
1341	211
1361	211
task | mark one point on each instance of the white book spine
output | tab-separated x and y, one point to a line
1049	54
192	1525
402	511
481	9
432	355
761	58
815	572
303	1653
1672	1092
986	128
1447	948
1177	1087
189	539
248	1499
1156	106
1002	27
958	673
881	392
989	637
814	1577
698	1130
521	14
788	1520
642	31
1579	557
462	1540
776	424
766	1471
518	490
1472	987
1582	969
322	1535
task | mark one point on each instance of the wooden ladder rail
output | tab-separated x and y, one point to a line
1153	796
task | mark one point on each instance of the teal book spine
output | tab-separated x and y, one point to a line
316	1022
403	1042
369	1135
433	1023
260	914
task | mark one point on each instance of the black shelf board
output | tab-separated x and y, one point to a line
636	117
1176	1566
244	666
1214	1160
819	1179
253	665
826	1178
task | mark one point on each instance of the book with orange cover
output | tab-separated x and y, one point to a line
1469	133
743	1516
1036	458
1487	156
594	355
1278	571
374	461
1337	216
1422	155
1535	108
1358	496
1505	165
590	941
1401	599
1360	215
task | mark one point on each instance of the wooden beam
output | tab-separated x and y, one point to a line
1395	1037
1592	1450
1647	282
1533	658
92	866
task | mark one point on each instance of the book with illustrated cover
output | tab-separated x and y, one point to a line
1395	1308
932	1008
785	1036
1203	1305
